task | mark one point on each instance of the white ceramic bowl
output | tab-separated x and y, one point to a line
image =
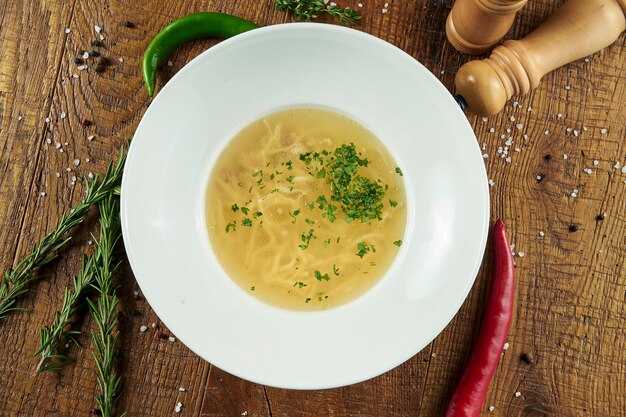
233	84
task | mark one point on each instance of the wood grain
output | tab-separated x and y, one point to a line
572	288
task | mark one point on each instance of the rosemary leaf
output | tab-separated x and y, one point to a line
16	281
311	9
103	310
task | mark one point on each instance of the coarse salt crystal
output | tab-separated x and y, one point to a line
143	329
509	142
525	137
542	233
585	129
603	131
81	67
502	136
170	64
547	132
19	118
172	339
567	87
386	5
85	55
67	30
617	165
66	143
491	183
442	72
596	162
518	150
484	119
519	126
178	407
508	159
181	389
521	254
87	160
624	170
63	115
245	413
565	156
492	130
518	394
512	118
575	132
58	174
48	141
68	169
90	137
98	29
360	4
75	75
559	115
506	346
588	171
43	193
385	11
491	408
73	178
47	120
508	130
586	59
120	59
568	130
90	175
77	162
434	355
529	109
485	155
90	242
57	145
101	37
61	150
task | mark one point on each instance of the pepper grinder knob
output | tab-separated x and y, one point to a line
575	30
475	26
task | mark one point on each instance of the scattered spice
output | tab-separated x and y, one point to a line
94	54
101	64
96	42
128	24
160	335
85	123
78	61
528	358
600	217
547	157
135	312
573	228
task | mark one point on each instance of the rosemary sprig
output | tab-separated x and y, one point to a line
16	281
311	9
52	337
103	310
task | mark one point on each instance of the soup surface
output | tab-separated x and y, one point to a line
305	209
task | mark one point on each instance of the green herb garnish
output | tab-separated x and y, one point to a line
398	243
246	222
234	207
299	284
245	210
231	225
306	239
363	249
335	270
318	276
399	171
257	214
393	203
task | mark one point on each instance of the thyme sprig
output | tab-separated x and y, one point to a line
311	9
103	310
16	281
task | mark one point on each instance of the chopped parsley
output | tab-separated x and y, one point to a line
399	171
363	249
245	210
335	270
398	243
299	284
252	288
393	203
257	173
309	222
246	222
289	179
306	239
234	207
318	276
257	214
308	300
293	215
289	165
231	225
326	243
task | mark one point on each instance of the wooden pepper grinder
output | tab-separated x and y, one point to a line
575	30
475	26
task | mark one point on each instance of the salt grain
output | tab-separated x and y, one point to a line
47	120
98	29
491	183
542	233
73	178
385	11
521	254
519	126
360	4
101	37
576	133
518	394
43	193
529	109
588	171
61	150
512	118
172	339
508	159
77	162
120	59
143	329
624	170
596	162
518	150
90	242
81	67
617	165
85	55
68	169
178	407
604	131
57	145
181	389
485	156
565	156
67	30
48	141
567	87
90	137
170	64
90	175
75	75
492	130
508	130
63	115
559	115
491	408
547	132
586	59
506	346
19	118
245	413
485	119
509	142
58	174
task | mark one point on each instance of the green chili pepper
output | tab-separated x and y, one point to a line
190	27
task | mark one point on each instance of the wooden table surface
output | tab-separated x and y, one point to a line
571	293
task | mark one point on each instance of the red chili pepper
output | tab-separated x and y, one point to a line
469	396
